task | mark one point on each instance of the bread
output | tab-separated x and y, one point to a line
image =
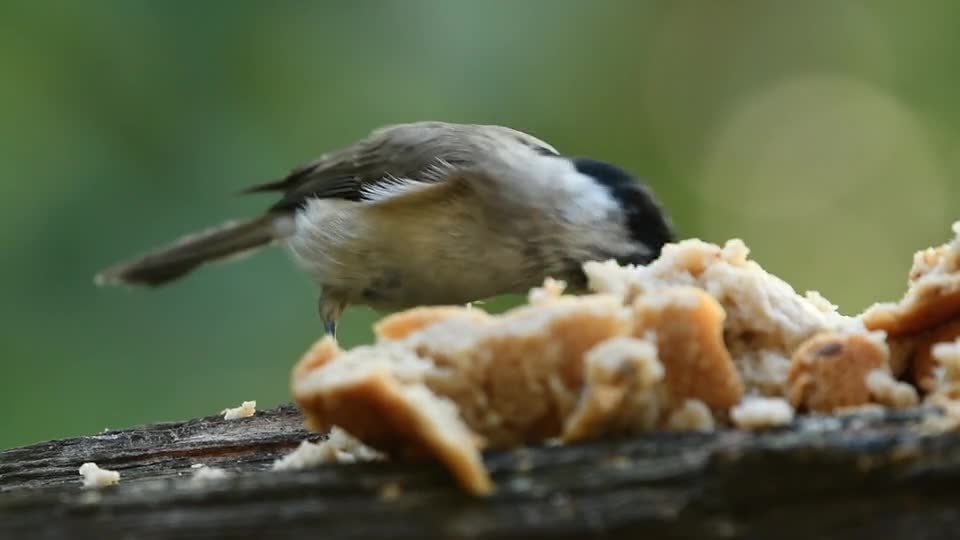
762	413
700	338
765	319
245	410
95	477
933	295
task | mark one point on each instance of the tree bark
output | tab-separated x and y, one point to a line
876	475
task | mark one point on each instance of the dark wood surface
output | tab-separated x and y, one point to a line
869	476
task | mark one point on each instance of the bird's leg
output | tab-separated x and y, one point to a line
330	327
330	310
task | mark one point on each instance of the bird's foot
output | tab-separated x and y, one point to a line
330	327
330	310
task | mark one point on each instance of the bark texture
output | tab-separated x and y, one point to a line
877	475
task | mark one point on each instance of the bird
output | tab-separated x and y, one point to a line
432	213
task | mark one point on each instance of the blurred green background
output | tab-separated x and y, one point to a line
825	134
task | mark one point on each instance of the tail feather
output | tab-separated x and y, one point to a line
226	241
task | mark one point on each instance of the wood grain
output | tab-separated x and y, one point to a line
868	476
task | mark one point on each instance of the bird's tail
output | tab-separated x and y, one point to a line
226	241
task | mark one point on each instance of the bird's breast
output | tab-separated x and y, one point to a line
392	257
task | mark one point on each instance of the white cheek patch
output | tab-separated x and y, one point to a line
566	178
593	199
584	197
555	182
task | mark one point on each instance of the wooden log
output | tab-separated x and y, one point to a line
878	475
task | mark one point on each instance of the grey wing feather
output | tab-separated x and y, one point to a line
384	157
419	152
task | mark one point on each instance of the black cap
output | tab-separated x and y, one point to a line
647	221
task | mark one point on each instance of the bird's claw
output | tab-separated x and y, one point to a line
330	327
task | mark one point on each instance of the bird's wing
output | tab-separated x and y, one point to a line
373	166
389	159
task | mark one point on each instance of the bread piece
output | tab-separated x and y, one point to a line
621	392
766	320
517	379
924	364
887	391
932	297
761	413
948	356
829	371
400	325
944	383
687	324
204	475
460	382
903	350
338	447
374	394
551	290
675	344
946	392
321	353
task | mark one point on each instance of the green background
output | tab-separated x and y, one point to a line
825	134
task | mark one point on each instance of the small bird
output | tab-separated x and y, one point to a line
433	213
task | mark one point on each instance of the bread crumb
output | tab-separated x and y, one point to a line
947	356
347	448
941	364
888	391
761	413
691	415
245	410
936	364
338	447
306	456
551	290
950	418
204	474
95	477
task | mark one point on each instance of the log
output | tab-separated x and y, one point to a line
869	475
